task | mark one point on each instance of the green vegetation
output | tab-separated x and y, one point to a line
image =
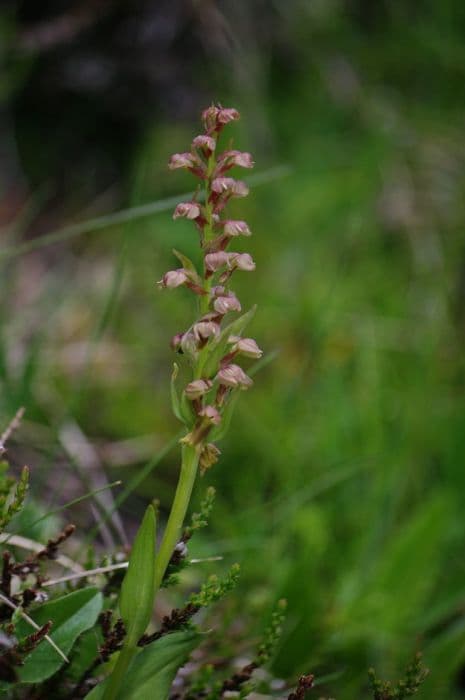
341	484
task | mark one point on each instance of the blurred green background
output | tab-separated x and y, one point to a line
341	485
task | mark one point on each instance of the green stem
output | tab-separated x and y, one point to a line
115	681
189	463
208	233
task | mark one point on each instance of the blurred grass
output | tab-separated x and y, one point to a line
341	484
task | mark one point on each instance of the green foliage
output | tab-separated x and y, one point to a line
215	588
137	589
272	635
12	496
200	520
71	615
343	488
151	672
414	677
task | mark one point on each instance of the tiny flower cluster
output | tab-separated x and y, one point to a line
212	345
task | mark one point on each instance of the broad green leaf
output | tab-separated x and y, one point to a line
137	589
71	615
152	671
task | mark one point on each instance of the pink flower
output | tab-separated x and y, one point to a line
236	228
189	210
213	261
235	188
210	117
205	329
242	261
231	158
224	304
214	118
211	414
245	346
207	143
224	116
174	278
182	160
197	388
233	376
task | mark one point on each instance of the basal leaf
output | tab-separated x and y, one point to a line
137	590
71	615
152	671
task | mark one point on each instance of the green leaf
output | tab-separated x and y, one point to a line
174	394
71	615
220	430
218	349
138	587
187	263
182	409
152	671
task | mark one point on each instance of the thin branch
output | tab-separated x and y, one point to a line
33	624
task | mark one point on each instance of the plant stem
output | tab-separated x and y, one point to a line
189	463
115	681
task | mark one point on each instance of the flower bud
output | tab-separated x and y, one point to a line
233	376
189	210
224	304
196	389
236	228
209	117
189	344
245	346
206	143
242	261
182	160
176	342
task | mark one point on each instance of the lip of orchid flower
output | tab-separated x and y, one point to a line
182	160
229	186
233	376
197	388
234	228
189	210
